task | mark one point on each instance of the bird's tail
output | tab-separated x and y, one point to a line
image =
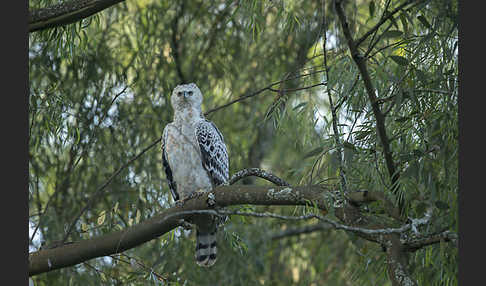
206	247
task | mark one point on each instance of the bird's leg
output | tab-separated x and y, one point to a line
197	193
180	203
211	200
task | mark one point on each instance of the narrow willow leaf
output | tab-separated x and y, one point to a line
403	19
441	205
392	34
400	60
84	227
401	119
302	104
314	152
371	8
101	218
424	21
137	217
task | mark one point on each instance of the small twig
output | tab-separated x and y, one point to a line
100	271
301	230
373	44
406	227
93	132
387	4
139	264
102	187
337	139
369	55
345	97
268	87
384	19
297	89
446	236
258	173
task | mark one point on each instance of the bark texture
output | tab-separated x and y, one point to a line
70	254
66	13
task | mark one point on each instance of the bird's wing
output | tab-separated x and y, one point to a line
167	169
213	151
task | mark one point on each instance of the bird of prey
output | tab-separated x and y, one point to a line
195	159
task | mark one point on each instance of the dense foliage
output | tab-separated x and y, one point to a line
99	91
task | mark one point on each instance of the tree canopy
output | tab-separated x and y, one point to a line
341	114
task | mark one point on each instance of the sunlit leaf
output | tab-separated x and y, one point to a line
101	217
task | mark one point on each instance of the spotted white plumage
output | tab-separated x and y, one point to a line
195	159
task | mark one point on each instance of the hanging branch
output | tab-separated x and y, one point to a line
64	13
337	139
370	90
258	173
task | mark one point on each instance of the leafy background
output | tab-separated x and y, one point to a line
99	93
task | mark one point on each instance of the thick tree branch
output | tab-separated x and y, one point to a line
397	262
116	242
66	13
416	244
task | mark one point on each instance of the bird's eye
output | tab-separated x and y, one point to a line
179	93
190	92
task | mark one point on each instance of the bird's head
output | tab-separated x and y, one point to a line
186	96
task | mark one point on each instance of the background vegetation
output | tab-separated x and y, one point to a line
99	91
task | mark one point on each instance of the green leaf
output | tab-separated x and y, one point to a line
84	227
400	60
137	216
441	205
421	208
101	218
300	105
404	21
371	7
349	145
392	34
424	21
402	119
314	152
78	136
421	75
360	135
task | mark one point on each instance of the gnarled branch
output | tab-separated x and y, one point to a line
66	13
70	254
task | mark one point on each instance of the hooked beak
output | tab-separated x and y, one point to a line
185	94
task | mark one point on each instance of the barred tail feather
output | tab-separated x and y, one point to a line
206	248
